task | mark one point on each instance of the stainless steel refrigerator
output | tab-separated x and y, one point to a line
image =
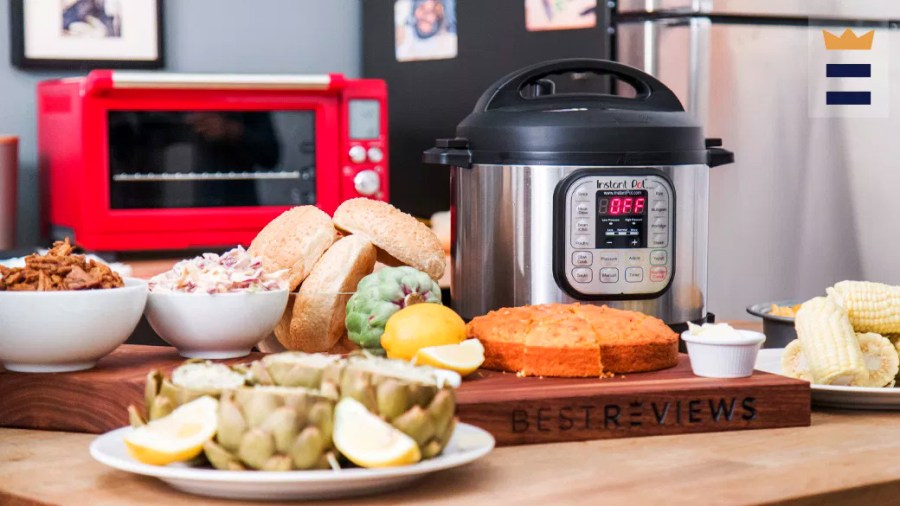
810	200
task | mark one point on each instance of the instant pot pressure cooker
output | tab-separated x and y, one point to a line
591	198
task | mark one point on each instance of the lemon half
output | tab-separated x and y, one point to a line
463	358
369	441
177	437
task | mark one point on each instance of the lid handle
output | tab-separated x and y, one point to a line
651	93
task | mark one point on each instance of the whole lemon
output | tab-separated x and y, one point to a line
421	325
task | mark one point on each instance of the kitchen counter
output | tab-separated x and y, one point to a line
843	458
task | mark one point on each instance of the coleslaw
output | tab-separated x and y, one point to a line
235	270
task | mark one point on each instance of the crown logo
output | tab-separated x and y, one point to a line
848	40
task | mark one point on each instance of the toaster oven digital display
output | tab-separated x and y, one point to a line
193	159
621	219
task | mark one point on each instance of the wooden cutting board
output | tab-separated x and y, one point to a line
515	410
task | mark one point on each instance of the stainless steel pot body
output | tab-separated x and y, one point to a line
503	236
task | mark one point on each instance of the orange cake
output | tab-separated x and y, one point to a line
561	344
573	340
507	326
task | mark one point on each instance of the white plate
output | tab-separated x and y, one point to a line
830	396
467	444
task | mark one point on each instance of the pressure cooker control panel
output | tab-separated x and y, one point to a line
615	235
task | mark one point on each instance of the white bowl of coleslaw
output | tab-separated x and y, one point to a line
216	306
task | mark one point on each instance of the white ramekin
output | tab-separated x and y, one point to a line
723	358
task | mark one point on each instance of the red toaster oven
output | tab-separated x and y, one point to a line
151	161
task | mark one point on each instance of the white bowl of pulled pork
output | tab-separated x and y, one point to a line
63	312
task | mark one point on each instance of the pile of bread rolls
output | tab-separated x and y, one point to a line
326	258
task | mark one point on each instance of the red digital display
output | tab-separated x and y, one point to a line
620	206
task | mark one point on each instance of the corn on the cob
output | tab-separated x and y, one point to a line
829	343
880	358
793	363
872	307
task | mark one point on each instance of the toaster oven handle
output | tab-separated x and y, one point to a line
100	80
651	93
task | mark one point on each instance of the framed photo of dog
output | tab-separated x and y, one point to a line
85	34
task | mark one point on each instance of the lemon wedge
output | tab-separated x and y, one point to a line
177	437
369	441
463	358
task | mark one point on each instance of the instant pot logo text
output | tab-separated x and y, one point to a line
636	416
622	184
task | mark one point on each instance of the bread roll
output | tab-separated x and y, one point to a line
319	310
400	238
295	240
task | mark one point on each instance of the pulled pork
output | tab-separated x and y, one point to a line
58	270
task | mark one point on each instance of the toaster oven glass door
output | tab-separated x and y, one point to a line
191	159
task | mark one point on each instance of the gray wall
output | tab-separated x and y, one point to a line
278	36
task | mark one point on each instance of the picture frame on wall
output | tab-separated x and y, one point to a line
86	34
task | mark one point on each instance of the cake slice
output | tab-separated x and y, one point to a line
630	341
561	344
502	333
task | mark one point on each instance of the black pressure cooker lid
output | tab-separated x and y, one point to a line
509	128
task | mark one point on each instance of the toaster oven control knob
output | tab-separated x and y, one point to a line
357	154
376	155
367	182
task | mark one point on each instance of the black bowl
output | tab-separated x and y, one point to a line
779	330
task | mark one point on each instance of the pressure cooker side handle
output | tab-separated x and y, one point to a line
651	93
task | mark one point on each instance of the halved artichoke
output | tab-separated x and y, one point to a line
189	381
415	399
273	428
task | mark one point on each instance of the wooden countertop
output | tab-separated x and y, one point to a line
843	458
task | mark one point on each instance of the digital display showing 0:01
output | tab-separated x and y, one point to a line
621	205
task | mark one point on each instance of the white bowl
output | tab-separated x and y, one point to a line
723	358
67	330
219	325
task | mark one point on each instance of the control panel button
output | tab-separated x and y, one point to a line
582	258
582	275
609	259
609	275
658	240
366	182
658	257
634	258
583	209
658	192
582	241
582	226
660	206
658	274
584	192
357	154
634	274
376	155
659	225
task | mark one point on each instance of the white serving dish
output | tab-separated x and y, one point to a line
67	330
715	357
834	396
215	326
467	444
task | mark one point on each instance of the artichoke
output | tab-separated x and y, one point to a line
381	294
297	369
412	398
189	381
272	428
